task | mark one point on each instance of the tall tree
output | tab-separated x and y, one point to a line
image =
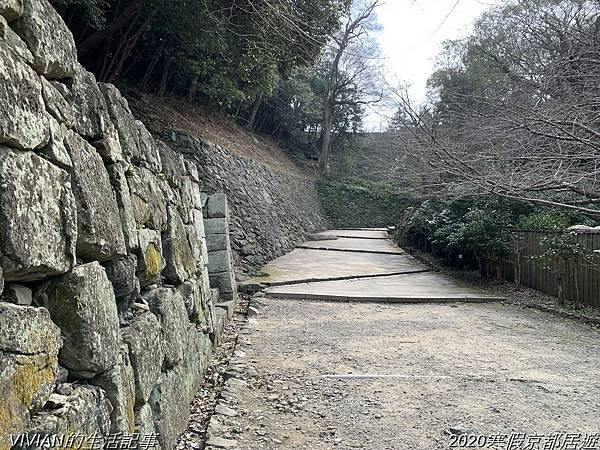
516	109
230	51
350	49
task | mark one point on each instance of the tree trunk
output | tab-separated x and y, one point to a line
561	290
121	19
517	275
482	268
350	32
560	279
191	93
254	110
517	269
237	111
130	44
152	65
164	76
326	126
576	280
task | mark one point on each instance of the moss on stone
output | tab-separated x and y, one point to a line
20	393
152	261
130	413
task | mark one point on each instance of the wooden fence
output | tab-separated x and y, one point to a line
581	281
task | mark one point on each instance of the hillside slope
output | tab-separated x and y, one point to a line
215	127
273	198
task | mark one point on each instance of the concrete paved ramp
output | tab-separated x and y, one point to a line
363	233
357	245
361	265
418	287
303	265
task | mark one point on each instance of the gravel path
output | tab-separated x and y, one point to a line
481	368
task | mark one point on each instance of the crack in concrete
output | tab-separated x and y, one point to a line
343	278
362	237
331	249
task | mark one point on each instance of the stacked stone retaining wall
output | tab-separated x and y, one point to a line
220	262
106	314
270	210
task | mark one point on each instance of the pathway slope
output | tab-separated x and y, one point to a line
360	265
313	374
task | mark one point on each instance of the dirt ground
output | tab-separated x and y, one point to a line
430	370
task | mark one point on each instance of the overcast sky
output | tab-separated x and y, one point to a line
413	31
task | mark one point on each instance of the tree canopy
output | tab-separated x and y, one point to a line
514	108
277	66
224	50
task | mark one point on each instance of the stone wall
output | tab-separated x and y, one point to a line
357	204
220	262
106	318
270	210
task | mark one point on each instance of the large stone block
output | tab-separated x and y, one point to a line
136	142
198	224
219	261
14	42
55	151
48	38
150	259
175	172
146	353
82	304
119	386
11	9
215	242
26	382
147	198
25	124
144	424
196	358
81	421
37	217
29	344
207	298
205	283
224	282
100	233
56	104
27	330
196	193
219	324
168	305
194	302
121	274
170	405
216	226
180	263
196	244
120	185
217	206
186	198
192	170
173	165
89	108
109	146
